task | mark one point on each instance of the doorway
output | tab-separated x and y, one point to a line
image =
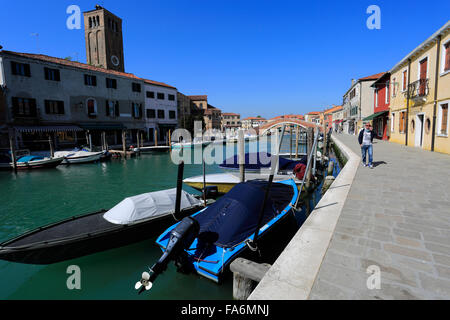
419	130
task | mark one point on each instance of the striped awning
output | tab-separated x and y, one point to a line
55	128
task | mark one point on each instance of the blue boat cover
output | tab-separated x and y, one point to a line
257	161
29	158
234	217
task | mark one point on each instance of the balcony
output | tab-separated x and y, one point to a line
418	90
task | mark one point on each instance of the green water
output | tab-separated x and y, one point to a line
32	199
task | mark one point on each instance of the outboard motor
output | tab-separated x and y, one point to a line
211	192
181	238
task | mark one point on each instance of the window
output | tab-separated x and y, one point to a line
160	96
112	108
111	83
90	80
91	107
376	97
443	119
161	114
136	110
387	92
150	94
394	89
51	74
392	122
171	97
352	93
402	122
54	107
151	113
405	80
172	114
20	69
445	57
24	107
136	87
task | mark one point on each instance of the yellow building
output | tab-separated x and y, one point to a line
420	95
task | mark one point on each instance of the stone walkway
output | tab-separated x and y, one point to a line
397	218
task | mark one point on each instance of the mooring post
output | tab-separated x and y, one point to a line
52	151
124	144
310	143
246	276
156	137
296	141
12	145
241	158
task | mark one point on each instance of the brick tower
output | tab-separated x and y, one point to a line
104	40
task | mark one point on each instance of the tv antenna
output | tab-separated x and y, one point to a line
37	40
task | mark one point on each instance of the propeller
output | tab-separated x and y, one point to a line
144	283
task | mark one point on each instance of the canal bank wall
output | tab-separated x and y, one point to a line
293	274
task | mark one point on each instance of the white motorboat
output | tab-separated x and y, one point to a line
77	157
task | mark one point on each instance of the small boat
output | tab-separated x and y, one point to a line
260	170
195	143
133	219
37	162
79	156
154	149
209	240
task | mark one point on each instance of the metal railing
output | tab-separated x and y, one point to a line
418	89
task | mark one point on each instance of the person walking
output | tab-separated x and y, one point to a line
365	140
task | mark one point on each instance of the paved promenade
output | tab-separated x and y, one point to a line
397	217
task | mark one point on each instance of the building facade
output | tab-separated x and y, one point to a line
161	112
381	103
420	92
253	122
231	120
358	103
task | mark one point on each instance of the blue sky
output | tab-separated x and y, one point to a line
251	57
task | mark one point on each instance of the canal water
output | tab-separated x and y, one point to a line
32	199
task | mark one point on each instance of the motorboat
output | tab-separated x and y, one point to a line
192	144
209	240
37	162
79	156
154	149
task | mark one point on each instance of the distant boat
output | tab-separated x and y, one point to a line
133	219
154	149
193	144
29	162
209	240
259	170
79	156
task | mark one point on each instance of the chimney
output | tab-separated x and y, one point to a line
353	82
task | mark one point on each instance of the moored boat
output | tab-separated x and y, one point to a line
209	240
81	156
133	219
37	162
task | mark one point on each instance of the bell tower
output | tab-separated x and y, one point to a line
104	40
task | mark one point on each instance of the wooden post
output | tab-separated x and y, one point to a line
170	137
290	142
12	136
52	151
246	275
241	157
296	141
90	142
124	143
156	137
316	131
137	138
142	139
310	143
330	168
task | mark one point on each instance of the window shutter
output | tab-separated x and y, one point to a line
107	108
60	107
116	109
33	111
133	113
447	57
27	70
94	81
140	110
47	106
57	75
13	68
444	119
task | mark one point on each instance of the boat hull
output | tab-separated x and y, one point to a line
39	164
83	159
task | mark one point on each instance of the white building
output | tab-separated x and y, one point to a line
160	109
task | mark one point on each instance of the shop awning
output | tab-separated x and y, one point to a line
55	128
102	126
373	116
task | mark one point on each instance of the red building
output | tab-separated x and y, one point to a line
382	100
